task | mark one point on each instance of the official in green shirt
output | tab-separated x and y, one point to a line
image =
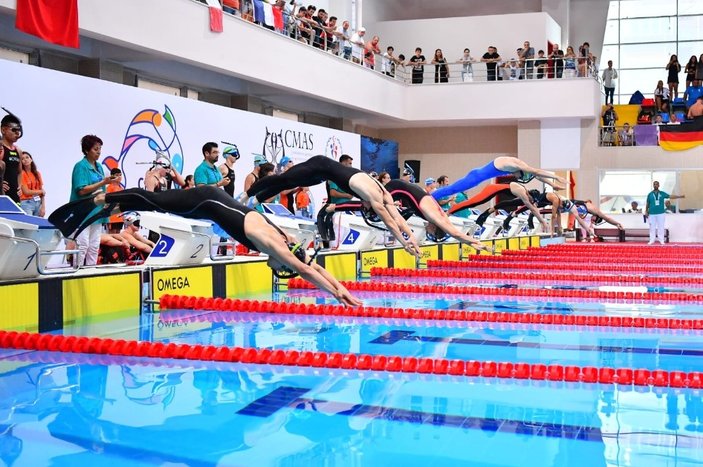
655	210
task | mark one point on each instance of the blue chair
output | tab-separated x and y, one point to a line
680	116
665	117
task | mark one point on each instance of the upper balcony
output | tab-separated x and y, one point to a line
167	36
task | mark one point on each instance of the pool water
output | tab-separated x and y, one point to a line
73	409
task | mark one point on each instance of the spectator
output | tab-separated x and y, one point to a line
418	63
400	68
287	197
491	59
627	136
661	97
592	65
358	45
131	234
407	176
32	187
441	69
541	64
370	52
267	169
87	179
231	7
527	57
674	68
330	33
696	110
226	169
634	207
569	63
303	25
655	210
430	185
445	203
206	173
190	183
157	177
114	224
673	120
389	61
511	70
691	71
557	57
344	34
658	120
699	70
610	74
11	129
302	202
255	174
583	60
467	68
319	23
610	117
384	177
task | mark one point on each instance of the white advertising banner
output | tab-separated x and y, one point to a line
58	109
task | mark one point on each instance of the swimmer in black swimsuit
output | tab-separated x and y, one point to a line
243	224
318	169
416	201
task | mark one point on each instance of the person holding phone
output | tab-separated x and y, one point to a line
206	173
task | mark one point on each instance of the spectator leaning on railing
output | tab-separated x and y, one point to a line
467	68
626	136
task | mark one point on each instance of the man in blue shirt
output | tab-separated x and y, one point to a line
206	173
655	212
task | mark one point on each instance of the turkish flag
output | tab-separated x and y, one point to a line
215	15
55	21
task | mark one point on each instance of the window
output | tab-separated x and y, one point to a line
640	37
619	188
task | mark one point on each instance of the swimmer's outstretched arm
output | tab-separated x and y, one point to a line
522	194
395	227
269	241
597	212
435	215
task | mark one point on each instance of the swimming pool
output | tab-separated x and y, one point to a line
65	408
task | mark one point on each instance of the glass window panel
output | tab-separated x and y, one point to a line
690	28
611	32
635	183
648	30
609	52
621	203
690	7
640	80
613	11
667	181
686	49
646	8
646	55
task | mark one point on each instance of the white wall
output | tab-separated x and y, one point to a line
506	32
132	122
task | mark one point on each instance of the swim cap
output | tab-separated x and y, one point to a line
231	151
130	218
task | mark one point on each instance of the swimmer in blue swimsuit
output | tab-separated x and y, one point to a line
500	166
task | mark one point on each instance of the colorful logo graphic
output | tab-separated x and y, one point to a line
274	148
148	132
333	148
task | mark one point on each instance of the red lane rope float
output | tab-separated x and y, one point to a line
533	276
440	366
494	262
511	292
179	304
613	257
565	260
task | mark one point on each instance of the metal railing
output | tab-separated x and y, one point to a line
307	31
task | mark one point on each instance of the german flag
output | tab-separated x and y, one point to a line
681	137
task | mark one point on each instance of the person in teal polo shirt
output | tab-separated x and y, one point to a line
87	179
655	210
206	173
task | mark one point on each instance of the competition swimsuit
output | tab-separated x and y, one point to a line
472	179
229	188
202	202
485	195
315	170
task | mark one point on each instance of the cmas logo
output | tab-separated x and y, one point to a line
333	148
